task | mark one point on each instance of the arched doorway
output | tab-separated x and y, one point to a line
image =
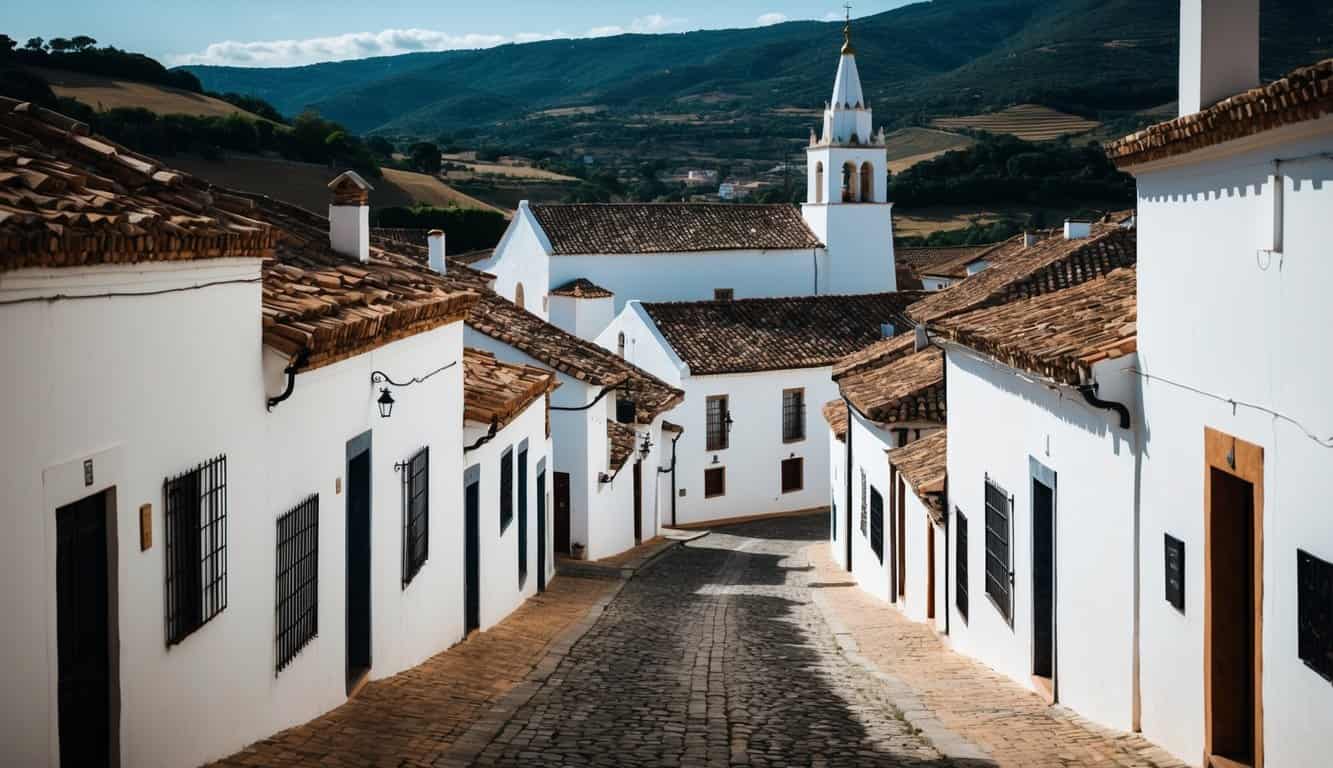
849	179
867	182
819	182
518	296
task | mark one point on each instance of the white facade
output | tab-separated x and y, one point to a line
1209	222
1007	427
96	380
583	316
523	259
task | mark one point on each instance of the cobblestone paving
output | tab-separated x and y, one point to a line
714	656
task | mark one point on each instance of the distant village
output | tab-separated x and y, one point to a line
258	456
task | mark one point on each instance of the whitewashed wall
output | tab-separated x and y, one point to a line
583	317
837	497
997	422
104	379
870	444
645	346
918	527
1217	314
501	590
859	241
522	256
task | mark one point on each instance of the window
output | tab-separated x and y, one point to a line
1314	613
620	344
998	535
833	518
522	518
296	614
416	514
518	296
196	523
718	427
877	524
819	182
506	489
715	482
849	182
867	183
960	556
793	415
724	294
793	474
864	511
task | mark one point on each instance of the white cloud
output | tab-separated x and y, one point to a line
389	42
767	19
833	16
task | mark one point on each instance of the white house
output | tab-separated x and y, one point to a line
940	267
196	381
918	512
508	550
749	368
839	242
582	308
1234	199
1042	455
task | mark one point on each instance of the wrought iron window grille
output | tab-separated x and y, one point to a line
196	547
416	514
999	548
296	611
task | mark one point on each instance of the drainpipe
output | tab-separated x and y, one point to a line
486	438
302	359
847	533
1089	392
672	470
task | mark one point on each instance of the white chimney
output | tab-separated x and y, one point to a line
1077	230
1030	239
349	216
1219	51
435	243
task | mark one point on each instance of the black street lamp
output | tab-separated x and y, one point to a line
385	403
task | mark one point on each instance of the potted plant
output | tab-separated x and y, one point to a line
576	549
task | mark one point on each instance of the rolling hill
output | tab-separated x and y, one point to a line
103	93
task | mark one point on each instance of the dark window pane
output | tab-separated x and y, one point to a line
416	514
196	547
793	474
998	535
297	611
715	481
716	412
960	569
877	524
793	415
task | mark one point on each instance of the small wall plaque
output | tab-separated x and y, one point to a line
87	472
145	527
1175	572
337	485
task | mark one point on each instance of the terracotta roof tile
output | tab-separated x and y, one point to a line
775	334
1304	94
613	228
70	199
941	262
908	389
924	465
497	391
835	413
621	438
1018	271
582	288
1057	335
472	257
878	353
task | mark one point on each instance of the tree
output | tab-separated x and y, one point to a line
381	146
425	157
35	44
7	45
61	44
82	42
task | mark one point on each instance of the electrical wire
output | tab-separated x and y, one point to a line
1234	403
379	376
127	294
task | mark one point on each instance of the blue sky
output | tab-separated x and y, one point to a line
289	32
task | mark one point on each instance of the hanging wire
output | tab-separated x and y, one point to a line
378	376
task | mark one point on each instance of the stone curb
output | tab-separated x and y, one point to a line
950	744
630	568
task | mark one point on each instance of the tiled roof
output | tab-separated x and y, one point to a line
1305	94
774	334
614	228
924	465
621	438
1017	271
498	391
835	413
878	353
582	288
71	199
472	257
908	389
1057	335
941	262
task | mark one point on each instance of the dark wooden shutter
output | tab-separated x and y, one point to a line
715	481
960	567
1314	613
877	524
793	474
999	533
416	514
522	518
506	488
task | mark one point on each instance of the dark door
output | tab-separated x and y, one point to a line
472	557
82	637
1231	598
561	490
638	502
1043	580
541	531
358	567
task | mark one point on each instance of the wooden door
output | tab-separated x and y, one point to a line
83	633
358	568
930	568
472	557
1043	580
638	502
561	489
541	531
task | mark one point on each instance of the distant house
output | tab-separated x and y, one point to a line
750	369
940	267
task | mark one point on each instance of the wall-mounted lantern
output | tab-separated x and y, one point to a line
645	446
385	402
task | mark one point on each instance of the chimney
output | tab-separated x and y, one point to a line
435	243
1077	230
1219	51
349	216
1030	239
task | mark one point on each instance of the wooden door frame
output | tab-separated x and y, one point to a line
354	448
1040	473
1244	461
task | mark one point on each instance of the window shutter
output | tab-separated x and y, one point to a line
877	524
960	567
999	535
416	514
793	474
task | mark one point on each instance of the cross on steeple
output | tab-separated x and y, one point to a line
847	30
848	8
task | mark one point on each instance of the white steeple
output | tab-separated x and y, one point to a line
847	85
847	115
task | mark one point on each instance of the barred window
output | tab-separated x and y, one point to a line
793	474
960	566
864	511
1314	613
793	415
296	614
715	482
506	489
196	532
877	524
999	534
416	514
522	518
717	429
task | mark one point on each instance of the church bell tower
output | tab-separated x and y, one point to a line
847	188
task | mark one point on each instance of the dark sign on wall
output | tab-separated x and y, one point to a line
1314	613
1175	572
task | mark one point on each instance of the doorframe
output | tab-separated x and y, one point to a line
1244	461
471	477
64	484
543	525
362	443
1040	473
